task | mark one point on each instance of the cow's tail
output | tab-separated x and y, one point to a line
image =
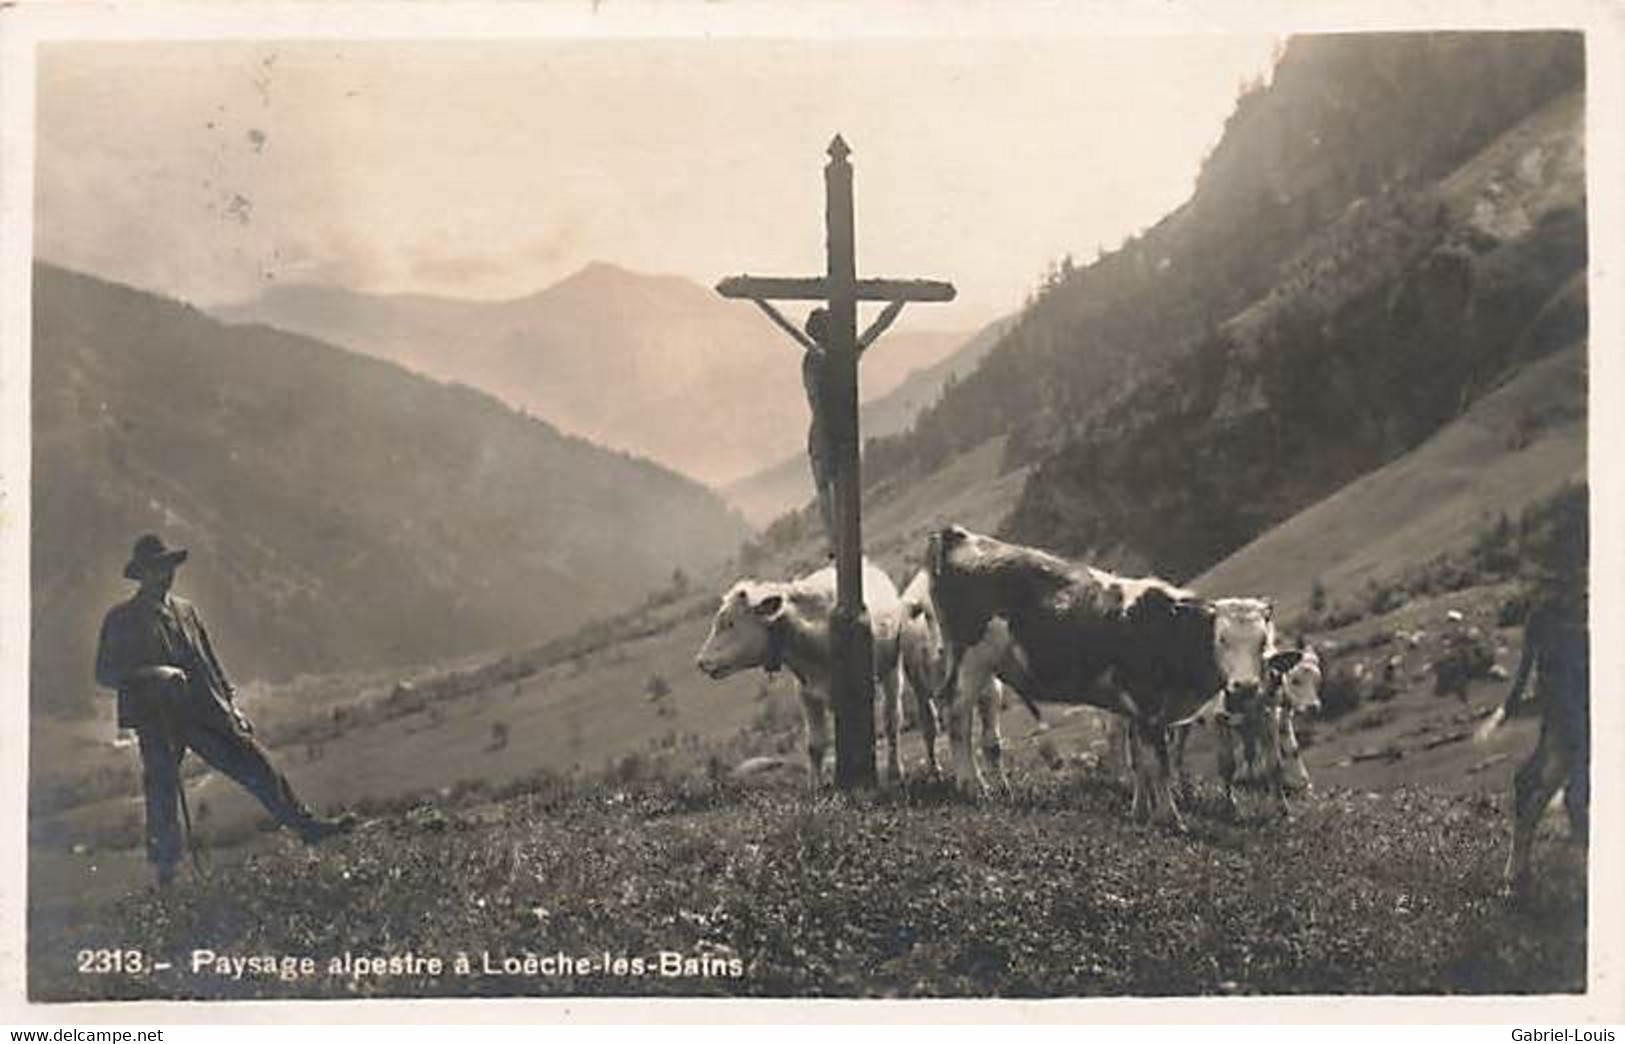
1032	708
944	696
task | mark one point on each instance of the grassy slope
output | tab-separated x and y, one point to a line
1377	887
1435	498
915	894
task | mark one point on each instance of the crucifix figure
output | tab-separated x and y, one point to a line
830	373
817	363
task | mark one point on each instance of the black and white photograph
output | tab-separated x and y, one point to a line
725	506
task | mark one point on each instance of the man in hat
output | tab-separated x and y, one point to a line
173	692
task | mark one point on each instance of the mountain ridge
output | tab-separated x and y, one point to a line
654	364
343	511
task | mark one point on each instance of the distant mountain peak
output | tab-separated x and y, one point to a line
656	365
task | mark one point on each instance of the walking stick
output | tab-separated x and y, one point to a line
166	721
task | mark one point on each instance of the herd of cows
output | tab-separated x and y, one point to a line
984	614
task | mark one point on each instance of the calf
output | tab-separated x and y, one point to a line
1263	727
774	625
1068	633
1295	675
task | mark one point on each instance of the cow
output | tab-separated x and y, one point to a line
774	625
925	667
1296	676
1057	631
1557	650
1264	727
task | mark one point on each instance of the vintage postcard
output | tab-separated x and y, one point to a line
722	502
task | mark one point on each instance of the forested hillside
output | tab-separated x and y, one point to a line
342	512
1385	231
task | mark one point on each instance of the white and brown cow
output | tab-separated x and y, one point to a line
777	624
1057	631
925	668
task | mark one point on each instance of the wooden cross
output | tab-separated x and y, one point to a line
851	641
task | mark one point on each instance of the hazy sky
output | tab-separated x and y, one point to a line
208	170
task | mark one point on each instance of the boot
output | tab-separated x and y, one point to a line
317	829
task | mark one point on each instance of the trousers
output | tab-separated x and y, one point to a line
228	748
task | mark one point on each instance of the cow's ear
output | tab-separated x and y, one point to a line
1282	662
769	608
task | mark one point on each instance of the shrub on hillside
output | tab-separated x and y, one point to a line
1340	693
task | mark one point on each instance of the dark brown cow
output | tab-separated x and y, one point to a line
1061	632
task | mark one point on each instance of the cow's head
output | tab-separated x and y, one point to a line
940	544
1243	632
1297	672
744	632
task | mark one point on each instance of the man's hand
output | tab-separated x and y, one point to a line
162	673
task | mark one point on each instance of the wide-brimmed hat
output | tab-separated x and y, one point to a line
149	551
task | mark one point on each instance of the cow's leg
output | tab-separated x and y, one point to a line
1123	755
1143	757
989	702
1182	735
1274	765
815	712
927	709
1162	770
1226	732
1249	747
967	777
974	675
1533	789
891	697
1120	744
1292	752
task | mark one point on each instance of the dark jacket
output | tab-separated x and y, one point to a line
140	633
